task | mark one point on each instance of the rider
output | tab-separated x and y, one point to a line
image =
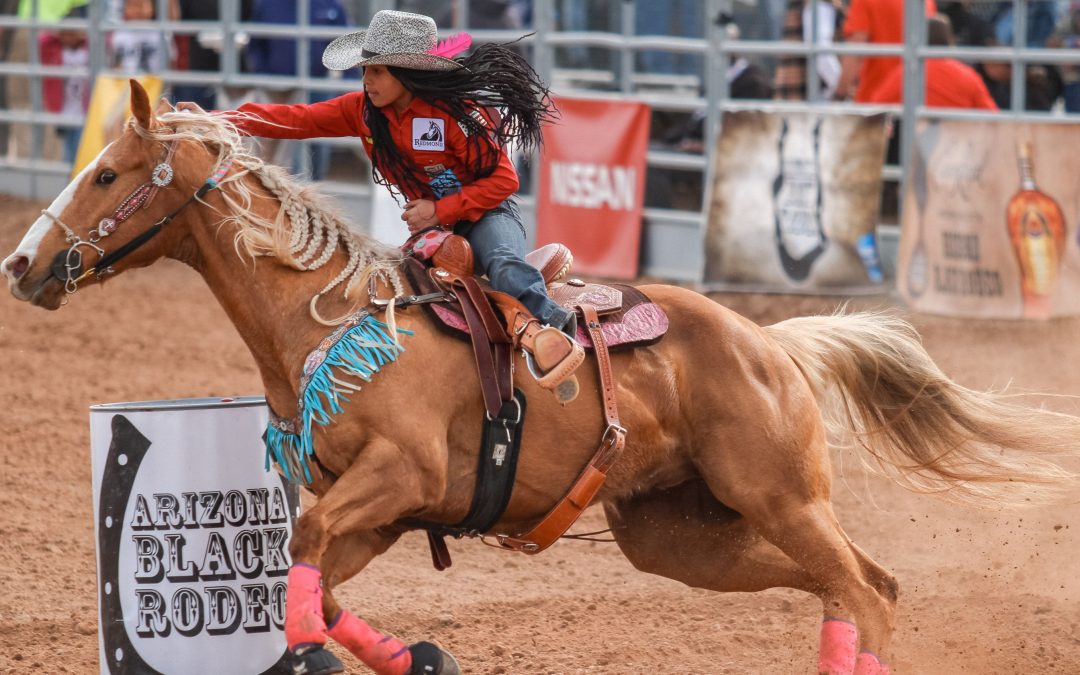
436	129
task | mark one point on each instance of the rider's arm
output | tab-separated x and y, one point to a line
337	117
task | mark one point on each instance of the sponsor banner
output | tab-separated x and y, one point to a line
192	538
795	202
990	220
592	184
109	109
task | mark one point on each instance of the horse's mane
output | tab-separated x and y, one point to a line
304	234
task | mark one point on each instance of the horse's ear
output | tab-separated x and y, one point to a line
163	106
140	104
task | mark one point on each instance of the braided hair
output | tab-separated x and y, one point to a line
496	77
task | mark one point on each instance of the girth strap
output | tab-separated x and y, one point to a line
581	494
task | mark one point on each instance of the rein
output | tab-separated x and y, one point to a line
67	266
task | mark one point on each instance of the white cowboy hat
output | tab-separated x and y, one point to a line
399	39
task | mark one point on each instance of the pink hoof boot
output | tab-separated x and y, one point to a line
304	625
385	654
839	644
869	664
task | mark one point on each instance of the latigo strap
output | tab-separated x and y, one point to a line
581	494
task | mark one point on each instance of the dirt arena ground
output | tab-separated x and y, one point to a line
981	591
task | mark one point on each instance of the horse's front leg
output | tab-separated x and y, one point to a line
380	486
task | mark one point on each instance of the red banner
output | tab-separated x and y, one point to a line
592	184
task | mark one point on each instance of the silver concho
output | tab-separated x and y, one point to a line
162	175
106	226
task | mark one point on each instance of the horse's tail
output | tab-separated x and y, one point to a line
920	428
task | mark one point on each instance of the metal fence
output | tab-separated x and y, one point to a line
671	247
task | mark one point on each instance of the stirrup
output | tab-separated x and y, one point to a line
552	360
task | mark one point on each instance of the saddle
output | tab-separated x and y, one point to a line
496	324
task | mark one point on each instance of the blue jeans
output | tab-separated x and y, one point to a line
498	246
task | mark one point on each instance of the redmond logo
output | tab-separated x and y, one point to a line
428	133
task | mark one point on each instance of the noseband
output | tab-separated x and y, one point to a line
67	266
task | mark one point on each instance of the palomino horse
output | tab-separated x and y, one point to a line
725	479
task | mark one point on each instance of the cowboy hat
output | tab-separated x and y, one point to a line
399	39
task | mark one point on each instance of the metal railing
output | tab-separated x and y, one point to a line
672	246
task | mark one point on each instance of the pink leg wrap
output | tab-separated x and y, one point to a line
303	608
869	664
839	643
385	654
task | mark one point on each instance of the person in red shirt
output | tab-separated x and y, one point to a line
949	83
436	130
877	22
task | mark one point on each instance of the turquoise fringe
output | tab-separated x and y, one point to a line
356	350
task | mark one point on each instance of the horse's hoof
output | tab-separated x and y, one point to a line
315	661
428	659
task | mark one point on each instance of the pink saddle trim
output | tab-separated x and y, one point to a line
839	645
425	244
868	663
640	323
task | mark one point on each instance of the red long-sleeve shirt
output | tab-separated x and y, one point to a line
433	140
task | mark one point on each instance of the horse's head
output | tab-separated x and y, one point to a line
100	223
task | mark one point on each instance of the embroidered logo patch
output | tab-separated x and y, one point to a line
429	133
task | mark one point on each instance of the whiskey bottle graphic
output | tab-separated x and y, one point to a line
800	237
1037	232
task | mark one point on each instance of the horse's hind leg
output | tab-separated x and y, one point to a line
784	495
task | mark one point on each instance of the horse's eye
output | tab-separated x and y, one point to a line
106	177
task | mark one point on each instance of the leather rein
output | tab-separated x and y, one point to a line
67	266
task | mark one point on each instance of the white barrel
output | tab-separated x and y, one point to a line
192	537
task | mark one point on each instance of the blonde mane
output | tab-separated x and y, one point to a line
304	234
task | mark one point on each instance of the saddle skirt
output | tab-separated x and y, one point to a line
628	317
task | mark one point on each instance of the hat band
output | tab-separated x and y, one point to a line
368	55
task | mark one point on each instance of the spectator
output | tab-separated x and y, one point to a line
790	78
876	22
200	57
135	52
1068	37
70	95
949	83
277	56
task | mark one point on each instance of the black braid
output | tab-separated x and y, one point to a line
494	76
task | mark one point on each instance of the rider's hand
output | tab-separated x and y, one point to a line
419	215
189	106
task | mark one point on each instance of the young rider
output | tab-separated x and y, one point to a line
436	129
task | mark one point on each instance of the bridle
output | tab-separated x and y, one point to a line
67	266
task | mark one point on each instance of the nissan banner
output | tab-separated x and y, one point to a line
592	184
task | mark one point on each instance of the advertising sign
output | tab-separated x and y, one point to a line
592	184
795	203
990	220
192	538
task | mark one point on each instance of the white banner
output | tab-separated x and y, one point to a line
192	536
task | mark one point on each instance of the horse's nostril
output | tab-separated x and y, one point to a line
18	265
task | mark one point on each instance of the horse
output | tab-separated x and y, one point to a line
724	482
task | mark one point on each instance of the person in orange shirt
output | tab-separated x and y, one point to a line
876	22
949	83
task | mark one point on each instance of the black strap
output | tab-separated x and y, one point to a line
127	249
496	470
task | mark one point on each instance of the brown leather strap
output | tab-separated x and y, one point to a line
440	554
491	346
581	494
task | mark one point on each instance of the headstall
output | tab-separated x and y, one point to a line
67	266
